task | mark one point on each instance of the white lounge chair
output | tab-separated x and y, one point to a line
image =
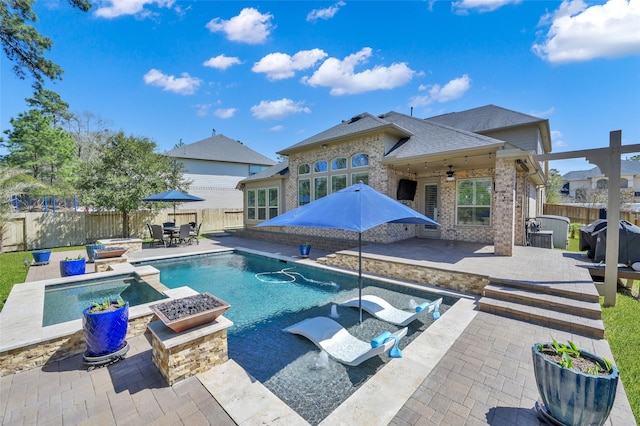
342	345
381	309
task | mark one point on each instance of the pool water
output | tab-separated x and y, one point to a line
266	295
65	302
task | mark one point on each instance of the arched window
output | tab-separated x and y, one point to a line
602	184
339	163
304	169
320	167
624	183
360	160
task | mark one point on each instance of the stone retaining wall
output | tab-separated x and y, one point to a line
39	354
459	281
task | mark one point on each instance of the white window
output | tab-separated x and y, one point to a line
473	198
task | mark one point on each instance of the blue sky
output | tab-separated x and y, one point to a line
271	74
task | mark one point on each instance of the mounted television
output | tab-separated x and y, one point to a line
406	189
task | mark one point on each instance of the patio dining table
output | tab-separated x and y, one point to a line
172	232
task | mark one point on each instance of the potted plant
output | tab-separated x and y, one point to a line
576	387
73	266
305	249
105	326
41	257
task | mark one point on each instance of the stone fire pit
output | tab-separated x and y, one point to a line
189	312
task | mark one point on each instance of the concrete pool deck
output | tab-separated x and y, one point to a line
473	368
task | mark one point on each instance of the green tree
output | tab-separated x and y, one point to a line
126	171
554	184
24	45
47	152
13	182
51	105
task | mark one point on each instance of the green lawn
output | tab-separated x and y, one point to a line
14	271
622	331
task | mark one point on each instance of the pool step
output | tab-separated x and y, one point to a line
528	303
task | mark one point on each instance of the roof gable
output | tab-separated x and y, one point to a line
360	123
220	148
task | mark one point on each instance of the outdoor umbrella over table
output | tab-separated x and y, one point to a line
355	208
174	197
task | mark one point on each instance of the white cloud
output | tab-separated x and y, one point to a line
184	85
278	109
114	8
579	32
277	128
546	113
463	6
343	80
221	62
225	113
250	26
279	66
202	110
556	137
450	91
327	13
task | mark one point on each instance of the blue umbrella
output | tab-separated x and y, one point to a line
355	208
174	197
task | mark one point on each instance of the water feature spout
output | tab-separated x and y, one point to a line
323	360
413	304
334	311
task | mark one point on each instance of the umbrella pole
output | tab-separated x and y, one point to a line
360	274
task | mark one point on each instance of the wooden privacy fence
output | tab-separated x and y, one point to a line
586	215
37	230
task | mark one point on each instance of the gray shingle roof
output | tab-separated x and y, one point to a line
418	137
433	138
485	118
360	123
220	148
282	168
627	167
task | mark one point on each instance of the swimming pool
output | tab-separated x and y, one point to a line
65	302
267	295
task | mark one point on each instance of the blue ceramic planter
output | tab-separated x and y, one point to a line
304	250
105	332
41	257
91	250
72	267
571	397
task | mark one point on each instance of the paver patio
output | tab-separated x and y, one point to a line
484	377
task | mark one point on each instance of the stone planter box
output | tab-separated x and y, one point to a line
189	312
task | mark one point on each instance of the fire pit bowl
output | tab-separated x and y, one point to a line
189	312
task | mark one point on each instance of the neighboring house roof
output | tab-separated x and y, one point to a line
220	148
627	167
491	118
281	169
417	137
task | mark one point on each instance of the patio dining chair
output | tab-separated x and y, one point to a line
195	233
158	236
184	235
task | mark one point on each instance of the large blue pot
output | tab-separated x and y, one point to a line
72	267
91	250
41	257
571	397
305	250
105	332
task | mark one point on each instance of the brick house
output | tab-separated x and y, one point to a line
472	171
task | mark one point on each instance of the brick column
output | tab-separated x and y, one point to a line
504	198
